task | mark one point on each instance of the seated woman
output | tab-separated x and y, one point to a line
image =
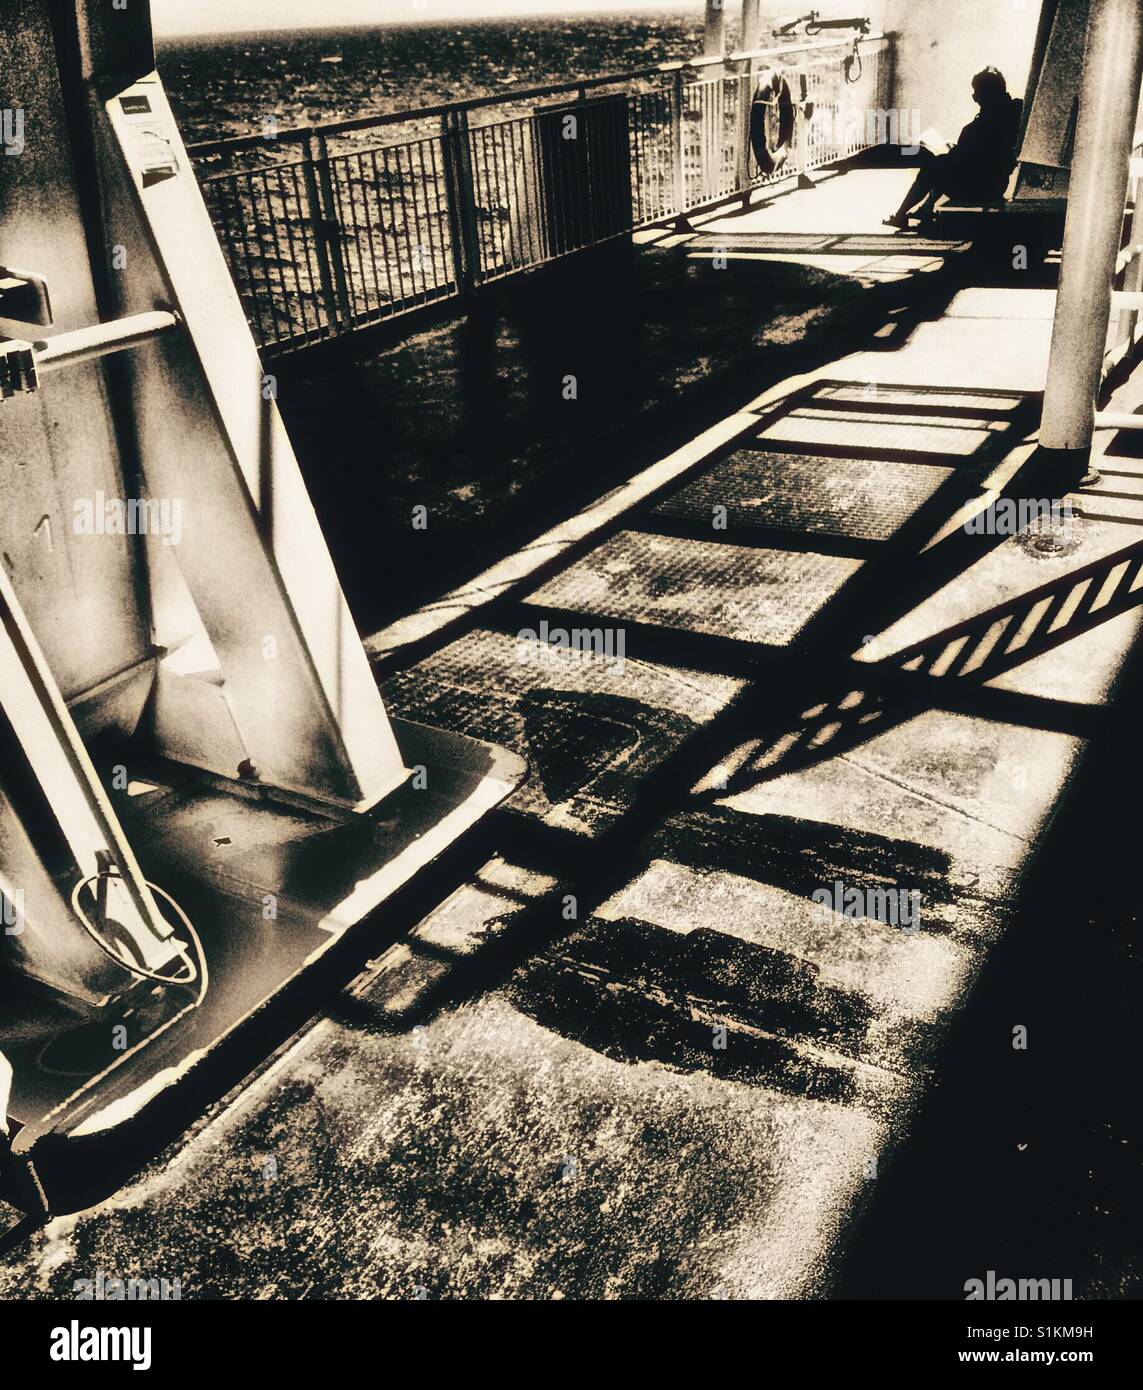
979	165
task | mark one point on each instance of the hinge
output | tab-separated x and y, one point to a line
17	368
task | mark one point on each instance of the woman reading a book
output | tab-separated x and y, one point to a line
977	168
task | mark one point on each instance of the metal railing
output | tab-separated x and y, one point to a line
1127	299
337	227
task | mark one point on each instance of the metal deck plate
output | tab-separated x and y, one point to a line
763	596
870	429
837	243
985	405
590	729
864	498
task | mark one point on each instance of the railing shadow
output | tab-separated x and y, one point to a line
864	699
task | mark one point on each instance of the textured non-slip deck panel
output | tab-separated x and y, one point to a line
753	595
590	728
870	429
850	245
985	405
867	499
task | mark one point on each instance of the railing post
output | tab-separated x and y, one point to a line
712	95
714	32
1133	276
751	39
1093	230
461	200
745	101
317	225
804	104
586	213
327	231
751	25
680	173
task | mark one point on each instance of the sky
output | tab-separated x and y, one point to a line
237	16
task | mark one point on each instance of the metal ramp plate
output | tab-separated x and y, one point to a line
835	243
869	428
867	499
590	729
752	595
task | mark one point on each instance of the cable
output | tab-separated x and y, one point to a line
195	971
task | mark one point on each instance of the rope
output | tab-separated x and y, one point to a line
195	971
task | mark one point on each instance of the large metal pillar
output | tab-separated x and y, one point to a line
714	32
751	39
1108	102
751	24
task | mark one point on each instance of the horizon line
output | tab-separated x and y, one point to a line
539	12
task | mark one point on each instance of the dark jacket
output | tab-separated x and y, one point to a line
985	155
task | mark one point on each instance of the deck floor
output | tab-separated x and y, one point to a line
631	1056
836	226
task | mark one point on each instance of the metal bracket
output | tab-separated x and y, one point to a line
22	363
17	368
24	297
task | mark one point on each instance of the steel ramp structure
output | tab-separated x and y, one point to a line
202	790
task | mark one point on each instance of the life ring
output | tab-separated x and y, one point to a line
772	117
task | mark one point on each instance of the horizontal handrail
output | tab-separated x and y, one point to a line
1127	255
100	340
1117	420
236	143
1127	302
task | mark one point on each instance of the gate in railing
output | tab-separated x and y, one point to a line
341	226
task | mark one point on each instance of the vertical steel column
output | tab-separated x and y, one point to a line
751	39
751	25
319	230
714	31
678	154
332	230
461	200
1109	98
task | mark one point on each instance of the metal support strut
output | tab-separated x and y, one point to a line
1109	98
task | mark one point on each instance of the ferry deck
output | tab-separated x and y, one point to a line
610	1044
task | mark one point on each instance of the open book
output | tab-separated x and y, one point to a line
933	141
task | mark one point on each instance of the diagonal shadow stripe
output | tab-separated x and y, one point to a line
865	698
875	597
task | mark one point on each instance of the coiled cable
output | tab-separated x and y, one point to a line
196	969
